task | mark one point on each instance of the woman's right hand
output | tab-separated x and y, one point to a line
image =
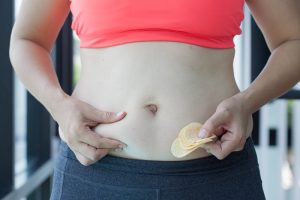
76	120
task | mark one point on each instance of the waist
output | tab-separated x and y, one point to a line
188	168
160	94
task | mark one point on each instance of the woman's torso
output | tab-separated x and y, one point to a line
186	82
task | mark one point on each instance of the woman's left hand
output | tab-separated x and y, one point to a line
231	123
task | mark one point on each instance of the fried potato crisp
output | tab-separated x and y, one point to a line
187	140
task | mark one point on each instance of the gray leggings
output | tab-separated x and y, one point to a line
237	177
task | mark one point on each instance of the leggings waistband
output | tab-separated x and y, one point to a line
235	177
204	165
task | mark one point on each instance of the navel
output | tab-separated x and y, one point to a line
153	108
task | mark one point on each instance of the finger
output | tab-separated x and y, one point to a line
219	149
239	148
223	147
220	131
82	159
210	147
61	135
97	141
89	151
239	139
105	116
212	124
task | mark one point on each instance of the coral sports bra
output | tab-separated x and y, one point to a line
207	23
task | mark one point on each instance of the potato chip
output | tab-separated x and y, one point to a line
191	127
179	152
198	143
188	140
189	135
184	145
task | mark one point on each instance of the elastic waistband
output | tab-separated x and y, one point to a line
204	165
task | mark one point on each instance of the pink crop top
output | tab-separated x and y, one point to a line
207	23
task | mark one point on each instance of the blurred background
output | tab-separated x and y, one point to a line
28	134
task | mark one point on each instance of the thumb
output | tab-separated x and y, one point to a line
212	126
109	117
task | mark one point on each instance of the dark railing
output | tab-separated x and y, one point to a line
38	181
6	101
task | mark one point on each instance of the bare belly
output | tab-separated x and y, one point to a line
162	86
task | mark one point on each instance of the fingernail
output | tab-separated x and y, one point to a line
202	133
119	149
119	114
122	146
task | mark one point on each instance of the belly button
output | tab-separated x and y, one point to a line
152	108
